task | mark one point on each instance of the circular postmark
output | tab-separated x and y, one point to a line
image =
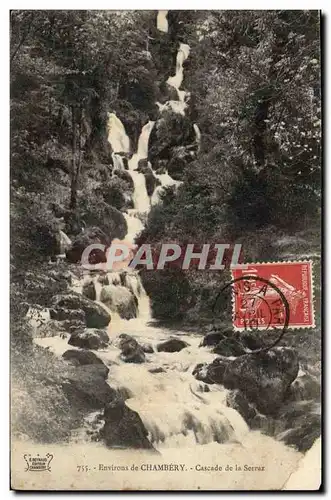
257	305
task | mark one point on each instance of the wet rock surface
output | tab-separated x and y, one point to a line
86	388
96	316
131	351
212	373
120	299
172	345
63	313
82	241
229	347
265	377
90	338
124	428
299	424
79	357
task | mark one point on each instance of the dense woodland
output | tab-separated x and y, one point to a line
254	83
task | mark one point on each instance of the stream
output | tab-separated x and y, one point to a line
186	420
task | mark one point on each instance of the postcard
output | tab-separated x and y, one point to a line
165	250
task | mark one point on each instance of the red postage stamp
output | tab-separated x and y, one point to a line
273	295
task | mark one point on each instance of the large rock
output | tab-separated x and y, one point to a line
83	240
265	378
124	428
80	357
212	373
299	424
62	314
86	388
132	352
252	341
229	347
90	338
119	299
237	400
216	334
211	339
306	387
96	316
172	345
147	348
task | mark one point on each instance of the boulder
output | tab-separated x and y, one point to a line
124	428
265	377
89	290
62	314
172	345
237	400
132	352
251	340
86	388
299	424
305	387
50	329
119	299
90	338
147	348
158	369
72	326
81	357
83	240
229	347
96	316
212	373
211	339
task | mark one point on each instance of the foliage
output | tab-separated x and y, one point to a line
254	80
40	409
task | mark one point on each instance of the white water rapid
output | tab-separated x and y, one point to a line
187	421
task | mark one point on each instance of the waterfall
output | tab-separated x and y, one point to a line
166	181
117	162
117	137
184	417
135	226
182	55
162	21
197	135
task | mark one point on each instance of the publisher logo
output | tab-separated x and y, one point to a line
36	463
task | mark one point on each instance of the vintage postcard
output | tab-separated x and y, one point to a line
165	250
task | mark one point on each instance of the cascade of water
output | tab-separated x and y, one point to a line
182	55
117	136
117	162
166	181
162	21
142	150
197	135
176	81
173	405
